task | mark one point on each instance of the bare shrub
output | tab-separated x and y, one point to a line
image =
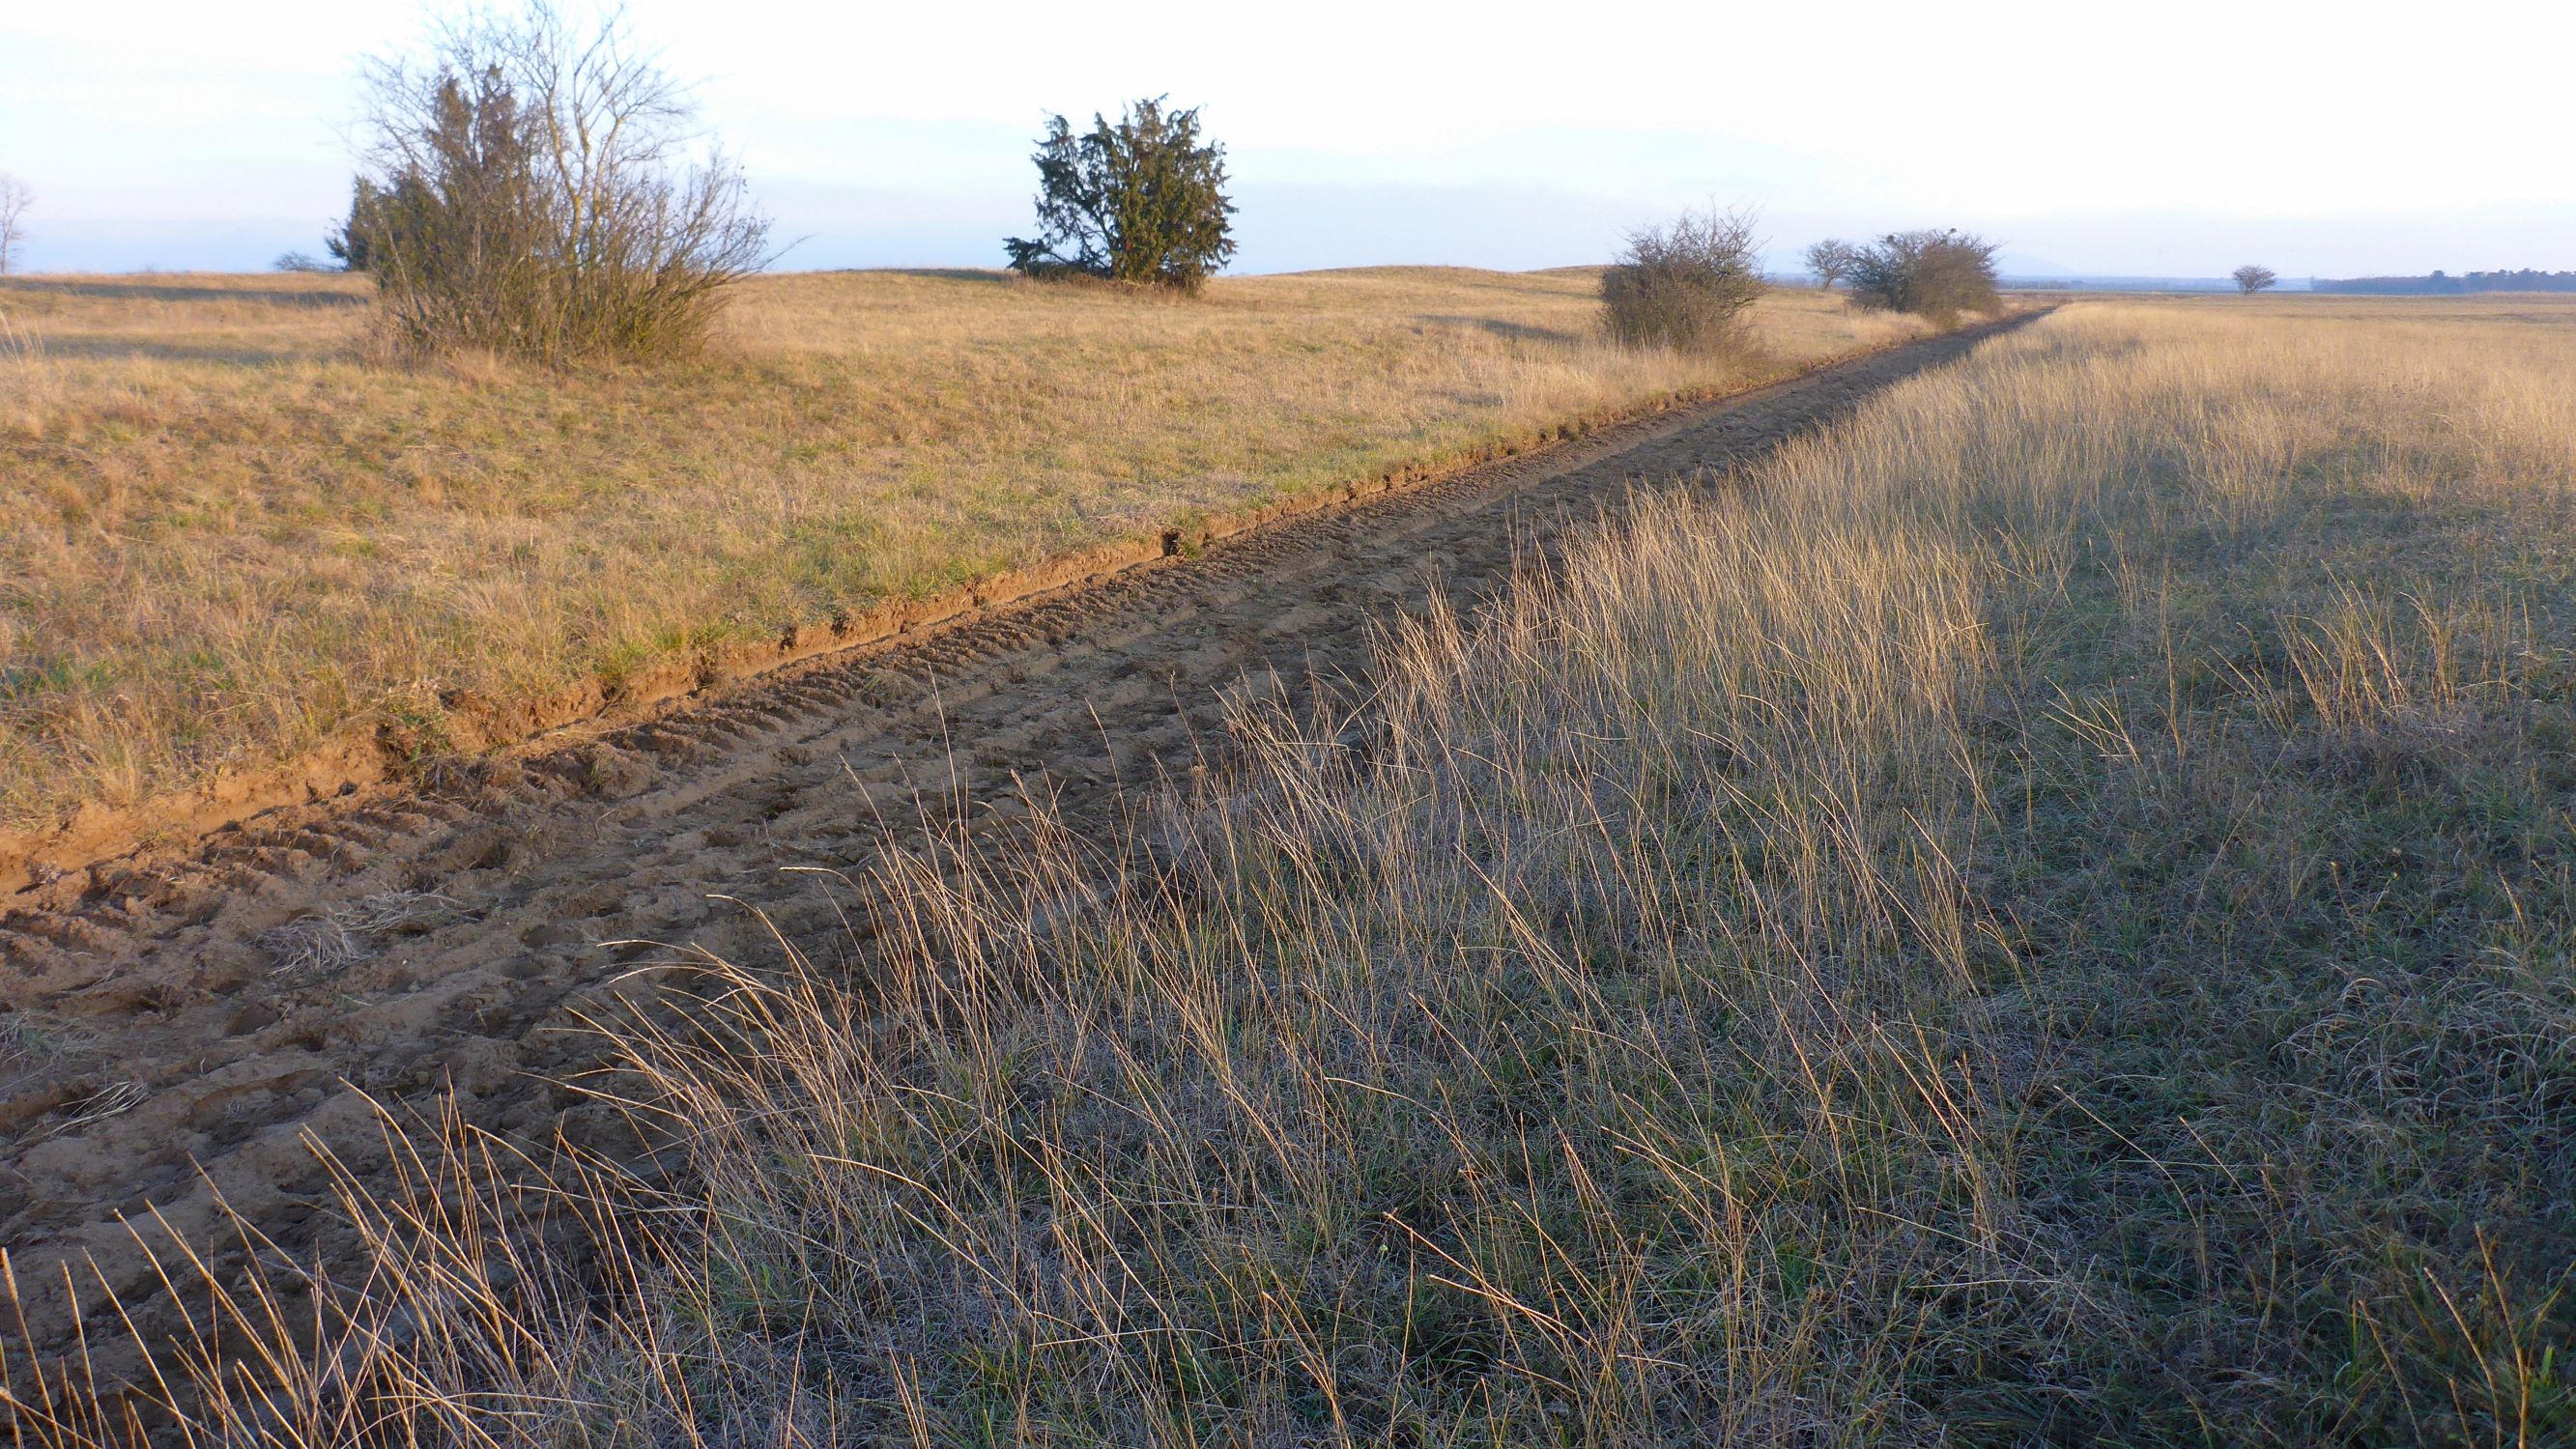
1141	201
2251	279
1934	274
538	190
15	198
1831	260
1686	285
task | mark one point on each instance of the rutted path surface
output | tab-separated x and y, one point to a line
176	1027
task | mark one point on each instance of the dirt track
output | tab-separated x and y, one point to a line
158	1016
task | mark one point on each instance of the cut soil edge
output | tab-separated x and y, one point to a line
384	756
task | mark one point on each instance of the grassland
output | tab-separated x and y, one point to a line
229	536
2039	916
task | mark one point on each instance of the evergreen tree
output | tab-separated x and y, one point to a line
1139	201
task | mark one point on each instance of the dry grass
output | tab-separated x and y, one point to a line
332	940
2040	916
229	537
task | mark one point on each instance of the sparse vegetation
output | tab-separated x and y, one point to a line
1831	261
1141	201
16	197
2041	916
1934	274
2251	279
1687	285
229	540
534	193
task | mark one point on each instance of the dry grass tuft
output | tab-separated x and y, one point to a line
328	941
2038	916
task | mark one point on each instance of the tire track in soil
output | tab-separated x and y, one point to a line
160	1042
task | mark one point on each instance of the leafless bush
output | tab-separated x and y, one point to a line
1831	260
539	190
1685	285
15	198
2251	279
1935	274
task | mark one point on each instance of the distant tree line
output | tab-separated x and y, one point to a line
2444	284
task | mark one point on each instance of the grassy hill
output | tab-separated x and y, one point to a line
229	536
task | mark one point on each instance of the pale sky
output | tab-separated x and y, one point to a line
2176	138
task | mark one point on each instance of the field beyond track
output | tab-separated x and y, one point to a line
230	537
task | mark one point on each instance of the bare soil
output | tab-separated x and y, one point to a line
174	1028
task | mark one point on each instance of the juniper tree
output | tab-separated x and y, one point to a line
1142	200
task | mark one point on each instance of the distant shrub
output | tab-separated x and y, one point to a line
1685	285
1139	201
534	193
15	199
2251	279
1934	274
354	243
1831	260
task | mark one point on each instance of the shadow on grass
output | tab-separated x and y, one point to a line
114	349
140	289
989	275
1513	331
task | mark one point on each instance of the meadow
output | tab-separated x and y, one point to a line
231	535
2037	915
